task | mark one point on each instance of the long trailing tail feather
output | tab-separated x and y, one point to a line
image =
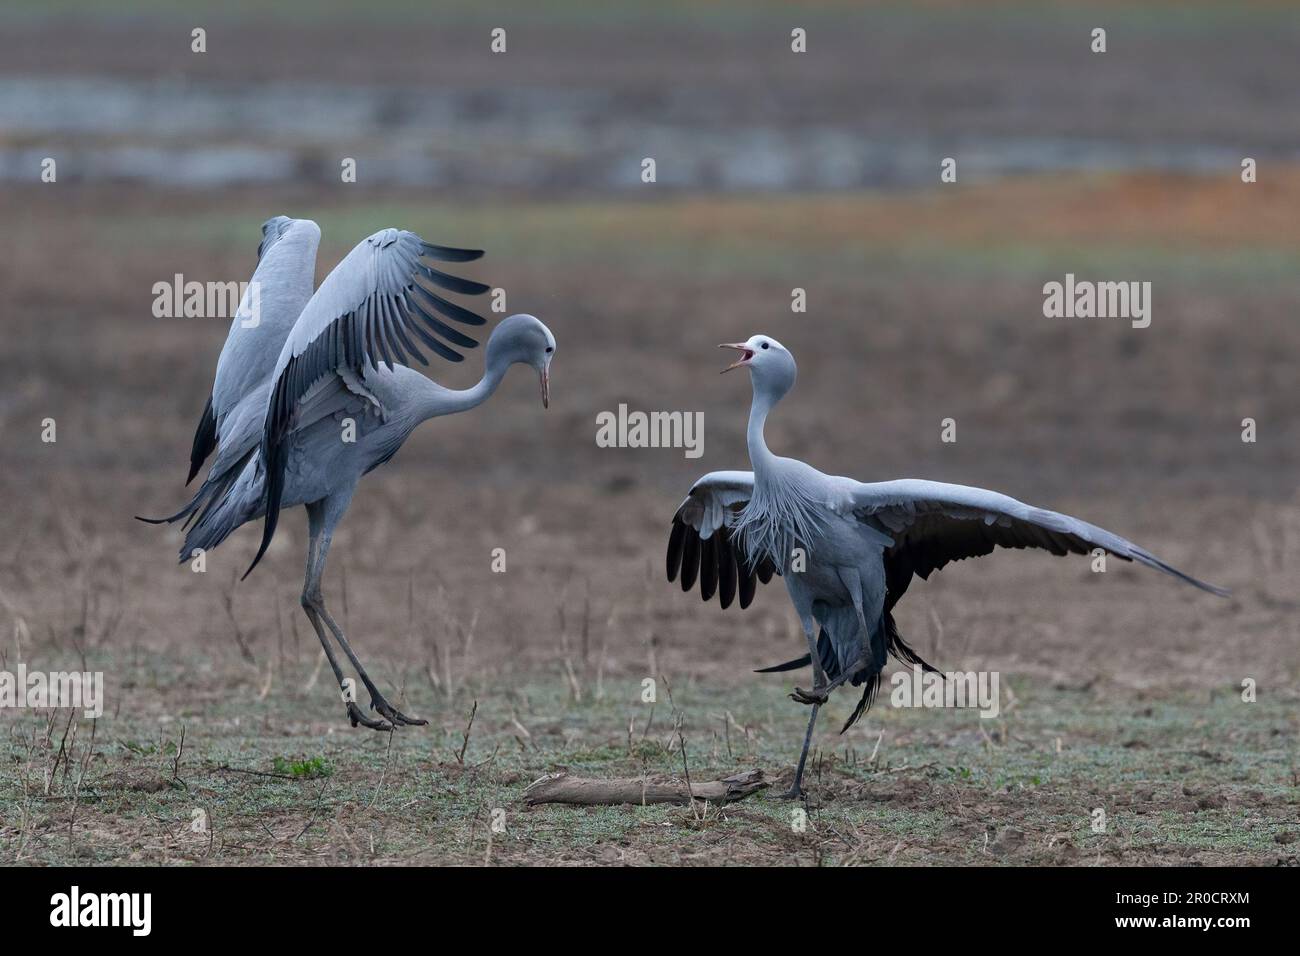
219	506
902	651
905	652
210	492
793	665
825	650
868	695
170	518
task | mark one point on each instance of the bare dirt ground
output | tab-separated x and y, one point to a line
1121	691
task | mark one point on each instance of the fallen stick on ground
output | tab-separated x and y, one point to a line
561	788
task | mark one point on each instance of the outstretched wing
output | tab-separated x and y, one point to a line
703	547
369	310
280	287
932	523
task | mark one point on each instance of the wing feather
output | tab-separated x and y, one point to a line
932	523
690	561
709	566
363	313
702	545
280	287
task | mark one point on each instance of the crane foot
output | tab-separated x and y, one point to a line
393	714
357	717
794	793
809	696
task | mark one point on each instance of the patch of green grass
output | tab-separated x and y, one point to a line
308	769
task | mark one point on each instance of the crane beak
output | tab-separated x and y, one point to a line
546	387
739	347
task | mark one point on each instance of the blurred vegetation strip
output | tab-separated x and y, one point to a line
1191	228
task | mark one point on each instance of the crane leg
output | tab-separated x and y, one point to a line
321	521
312	604
848	672
818	694
377	700
355	713
796	789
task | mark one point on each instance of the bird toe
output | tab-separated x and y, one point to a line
808	697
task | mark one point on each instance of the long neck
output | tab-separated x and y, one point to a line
759	456
449	401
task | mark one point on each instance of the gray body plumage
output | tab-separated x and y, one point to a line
383	408
277	420
311	392
847	549
383	405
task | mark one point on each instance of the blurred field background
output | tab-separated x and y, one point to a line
775	170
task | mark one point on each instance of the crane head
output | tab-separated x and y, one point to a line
769	362
523	339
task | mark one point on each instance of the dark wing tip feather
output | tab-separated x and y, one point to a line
726	569
933	539
718	562
747	582
715	562
676	540
452	311
394	321
422	305
690	561
449	253
452	283
299	375
709	567
205	439
275	462
1153	561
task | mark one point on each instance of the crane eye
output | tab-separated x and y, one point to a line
764	345
550	349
